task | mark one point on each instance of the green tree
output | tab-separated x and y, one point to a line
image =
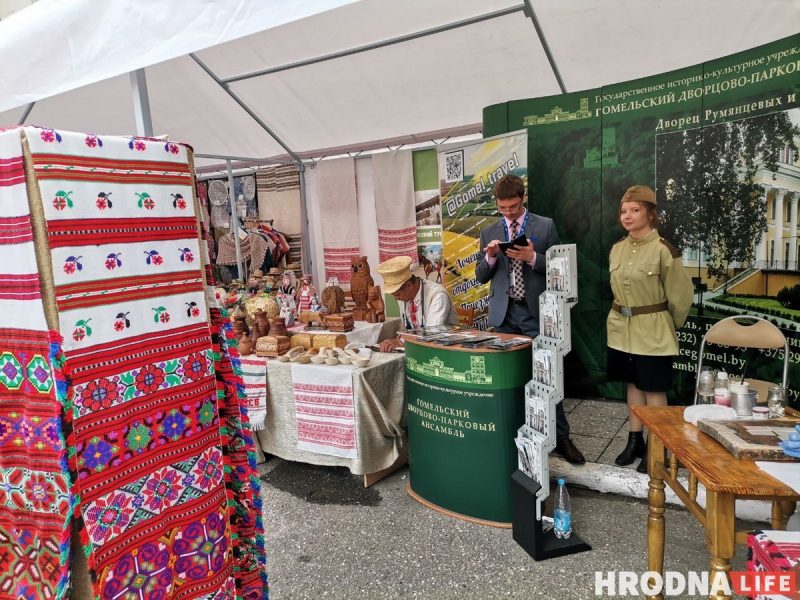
706	182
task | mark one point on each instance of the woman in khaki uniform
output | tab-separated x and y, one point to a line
652	298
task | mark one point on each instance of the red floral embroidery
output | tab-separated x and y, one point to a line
119	325
40	492
69	267
149	379
99	394
195	366
139	145
48	135
91	141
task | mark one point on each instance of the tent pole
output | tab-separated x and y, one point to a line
305	232
141	103
545	46
244	106
25	113
235	222
382	44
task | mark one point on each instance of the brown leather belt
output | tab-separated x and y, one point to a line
632	311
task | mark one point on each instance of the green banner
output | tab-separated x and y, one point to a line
467	175
719	144
463	412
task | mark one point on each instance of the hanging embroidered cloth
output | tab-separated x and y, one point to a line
279	200
394	205
35	503
334	186
123	237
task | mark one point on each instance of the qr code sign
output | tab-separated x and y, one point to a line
454	166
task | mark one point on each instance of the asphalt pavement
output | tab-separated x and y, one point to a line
329	537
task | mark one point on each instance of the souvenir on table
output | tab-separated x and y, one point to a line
304	293
261	323
315	305
262	303
246	345
273	278
278	326
360	282
272	345
289	283
376	310
287	310
313	319
752	439
254	281
340	322
333	297
329	340
303	340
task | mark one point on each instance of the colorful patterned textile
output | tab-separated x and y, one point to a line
244	490
323	399
279	200
129	289
394	205
35	503
774	551
247	528
254	379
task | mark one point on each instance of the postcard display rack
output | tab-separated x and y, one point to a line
537	437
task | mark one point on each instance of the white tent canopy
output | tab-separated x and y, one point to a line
337	75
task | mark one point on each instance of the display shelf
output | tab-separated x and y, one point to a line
537	437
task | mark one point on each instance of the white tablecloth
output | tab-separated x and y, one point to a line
378	394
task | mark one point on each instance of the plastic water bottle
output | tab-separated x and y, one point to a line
562	515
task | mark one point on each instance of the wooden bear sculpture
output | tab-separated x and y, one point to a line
360	282
376	310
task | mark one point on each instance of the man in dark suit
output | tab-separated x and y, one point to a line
519	277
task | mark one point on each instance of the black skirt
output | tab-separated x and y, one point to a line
648	373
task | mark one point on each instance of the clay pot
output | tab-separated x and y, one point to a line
277	326
240	325
245	345
261	323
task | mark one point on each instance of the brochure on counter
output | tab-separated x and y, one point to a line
454	335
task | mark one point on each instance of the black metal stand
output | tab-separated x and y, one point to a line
541	545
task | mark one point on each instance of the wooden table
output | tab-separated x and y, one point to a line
724	477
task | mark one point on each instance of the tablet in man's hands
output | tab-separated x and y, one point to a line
519	242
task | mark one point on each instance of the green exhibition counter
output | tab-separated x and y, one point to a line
464	409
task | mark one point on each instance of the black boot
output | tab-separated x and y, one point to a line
642	468
635	449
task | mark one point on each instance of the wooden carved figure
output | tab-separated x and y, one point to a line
375	306
333	299
360	282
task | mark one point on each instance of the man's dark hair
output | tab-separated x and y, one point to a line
509	187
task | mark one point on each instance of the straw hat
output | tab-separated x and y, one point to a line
639	193
395	272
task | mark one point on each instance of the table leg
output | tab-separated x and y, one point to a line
720	535
655	501
781	511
